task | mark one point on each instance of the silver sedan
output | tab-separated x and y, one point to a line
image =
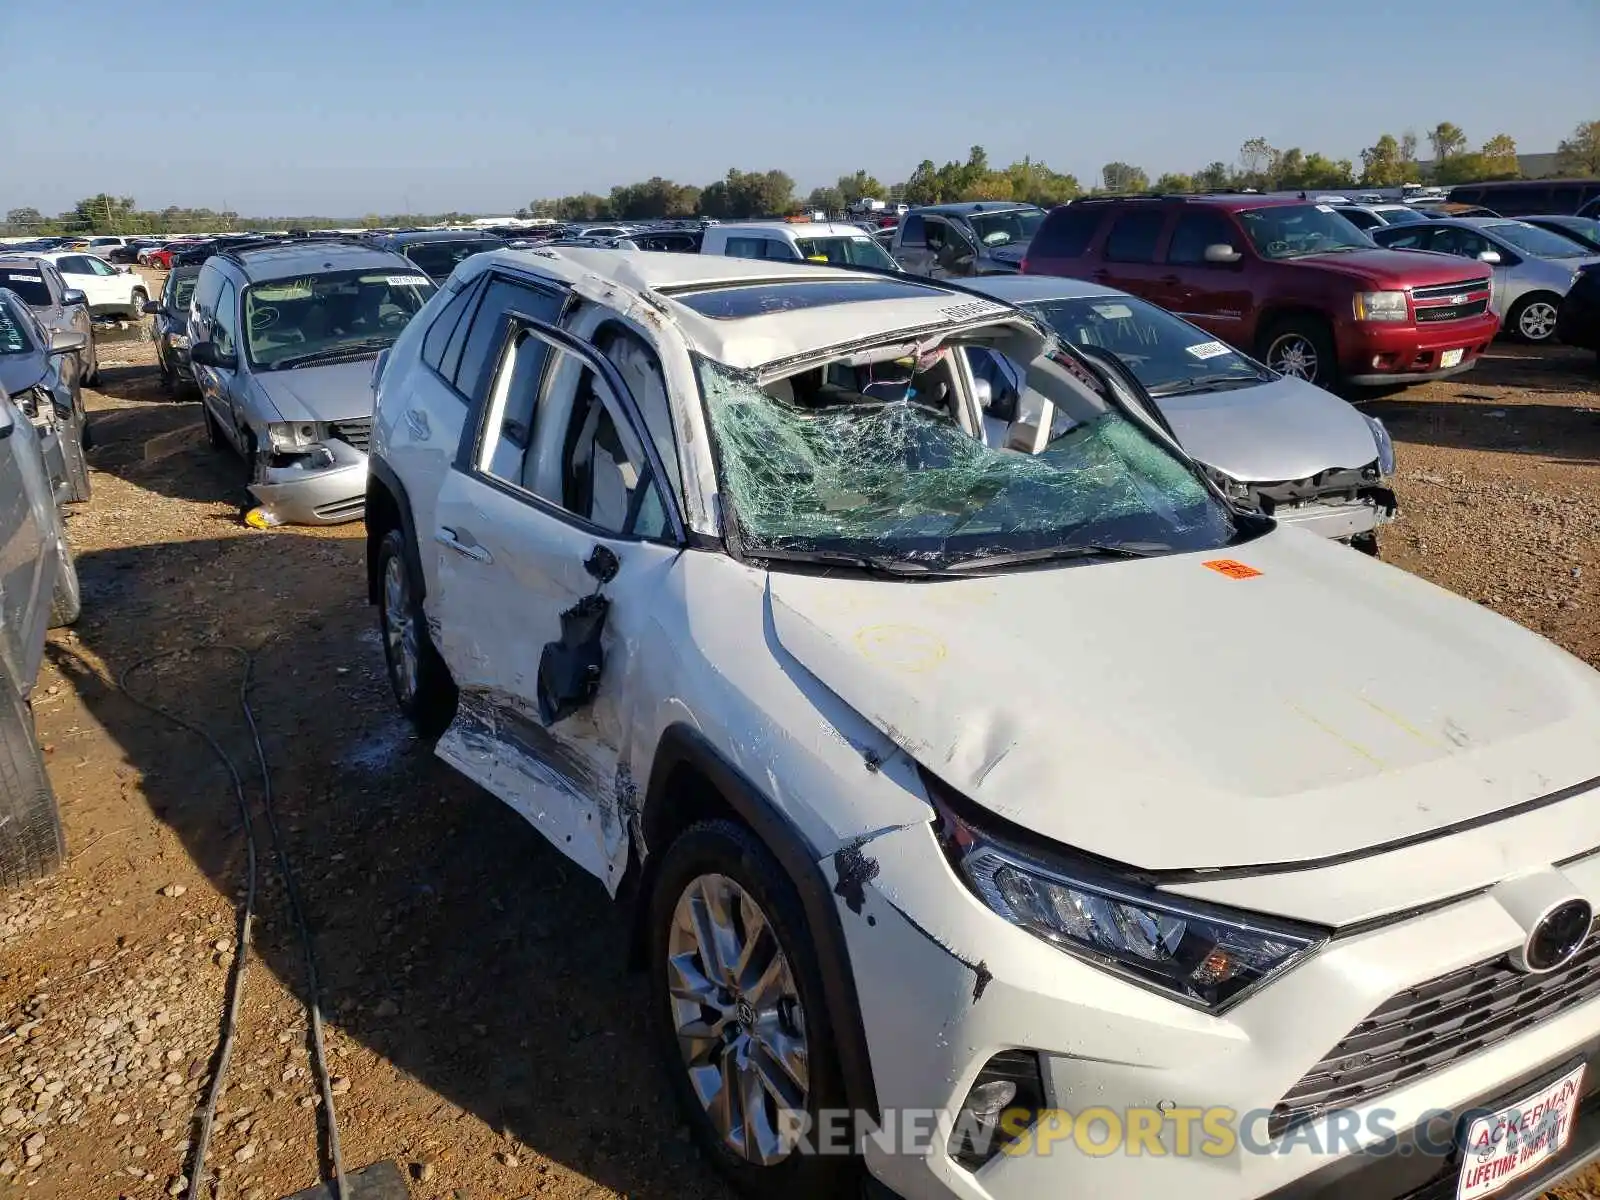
1533	268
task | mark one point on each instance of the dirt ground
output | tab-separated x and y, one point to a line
486	1034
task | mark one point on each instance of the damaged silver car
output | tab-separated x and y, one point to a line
282	339
39	370
1274	444
958	778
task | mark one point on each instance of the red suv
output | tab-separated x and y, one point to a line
1288	281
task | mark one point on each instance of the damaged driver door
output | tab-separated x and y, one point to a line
553	535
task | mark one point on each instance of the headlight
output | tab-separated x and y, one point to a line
1196	953
295	435
1385	444
1238	493
178	341
1381	306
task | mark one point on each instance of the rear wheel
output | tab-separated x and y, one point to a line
1302	348
137	302
31	845
421	681
1533	318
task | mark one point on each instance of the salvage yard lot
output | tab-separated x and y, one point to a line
483	1025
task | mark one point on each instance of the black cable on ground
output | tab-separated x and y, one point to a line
197	1176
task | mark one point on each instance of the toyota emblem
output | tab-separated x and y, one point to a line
1556	938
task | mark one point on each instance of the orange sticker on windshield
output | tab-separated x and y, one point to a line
1231	568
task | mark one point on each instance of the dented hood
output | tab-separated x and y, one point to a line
337	392
1280	430
1167	715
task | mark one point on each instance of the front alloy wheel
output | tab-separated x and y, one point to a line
1537	321
741	1028
1294	355
399	631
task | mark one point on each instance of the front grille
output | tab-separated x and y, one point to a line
357	433
1452	312
1428	1027
1443	291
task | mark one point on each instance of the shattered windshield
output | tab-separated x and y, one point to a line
13	334
870	461
294	322
1169	356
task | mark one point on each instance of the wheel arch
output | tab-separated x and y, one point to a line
389	507
691	781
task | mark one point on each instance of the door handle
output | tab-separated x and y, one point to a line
449	539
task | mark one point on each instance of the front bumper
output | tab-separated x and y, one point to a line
298	495
1339	521
1373	354
944	990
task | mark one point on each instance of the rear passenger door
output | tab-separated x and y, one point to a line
555	530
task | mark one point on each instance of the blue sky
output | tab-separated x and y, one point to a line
369	106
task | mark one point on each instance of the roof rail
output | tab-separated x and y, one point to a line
235	253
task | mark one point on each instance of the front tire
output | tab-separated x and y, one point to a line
66	602
1533	318
1302	348
417	674
31	845
137	302
737	1002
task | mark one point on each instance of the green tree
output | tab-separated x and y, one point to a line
1381	165
1465	167
1580	153
859	186
1499	156
24	217
1173	182
1408	157
101	213
1035	183
1123	177
826	199
1446	139
1213	177
1258	163
923	186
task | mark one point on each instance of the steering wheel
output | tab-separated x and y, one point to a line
393	320
1274	249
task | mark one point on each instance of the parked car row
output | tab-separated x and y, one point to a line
42	468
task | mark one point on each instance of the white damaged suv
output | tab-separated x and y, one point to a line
998	821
